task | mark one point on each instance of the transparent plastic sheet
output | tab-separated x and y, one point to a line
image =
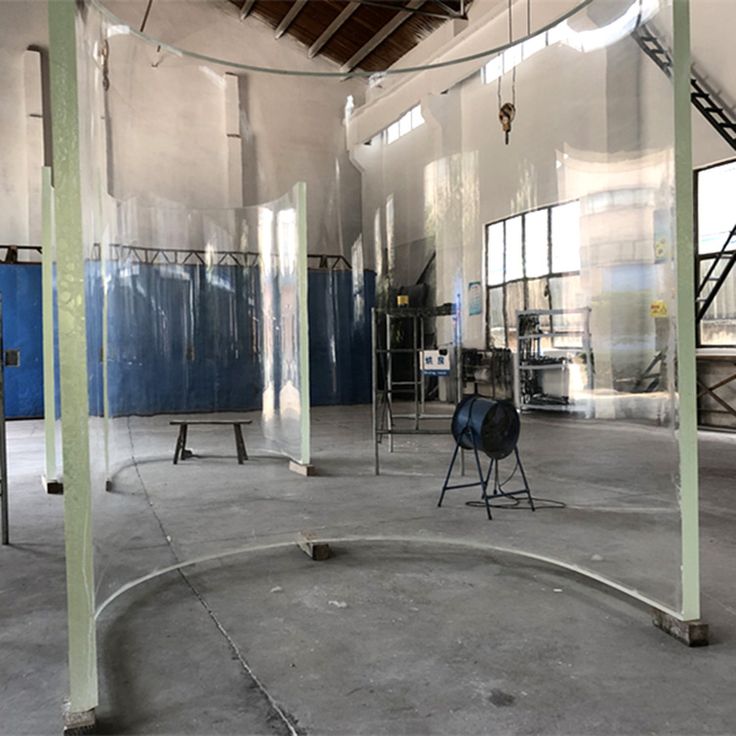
202	308
603	161
202	316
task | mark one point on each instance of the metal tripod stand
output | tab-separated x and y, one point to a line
484	480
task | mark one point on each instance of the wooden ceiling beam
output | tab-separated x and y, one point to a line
245	8
288	19
332	29
376	40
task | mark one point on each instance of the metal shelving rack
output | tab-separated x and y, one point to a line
385	386
529	365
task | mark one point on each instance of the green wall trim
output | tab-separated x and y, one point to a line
72	355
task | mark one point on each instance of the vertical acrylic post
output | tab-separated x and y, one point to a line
73	365
686	381
51	482
5	523
300	198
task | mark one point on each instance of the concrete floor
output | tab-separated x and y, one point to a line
385	638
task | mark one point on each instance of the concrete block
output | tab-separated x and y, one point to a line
78	722
52	485
302	469
691	633
316	550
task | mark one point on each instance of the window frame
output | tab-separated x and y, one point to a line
525	279
700	259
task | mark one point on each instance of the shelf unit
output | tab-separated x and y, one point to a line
531	359
385	386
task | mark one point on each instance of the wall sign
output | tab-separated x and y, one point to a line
475	298
435	362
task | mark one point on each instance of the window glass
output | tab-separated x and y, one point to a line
536	250
493	69
537	294
494	254
567	294
533	45
514	252
514	304
405	124
392	132
511	57
416	116
496	326
718	326
716	213
566	237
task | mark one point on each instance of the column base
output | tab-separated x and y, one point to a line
81	722
302	469
315	550
52	486
690	633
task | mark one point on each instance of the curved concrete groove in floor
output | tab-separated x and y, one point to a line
537	633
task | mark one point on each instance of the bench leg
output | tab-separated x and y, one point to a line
240	444
180	442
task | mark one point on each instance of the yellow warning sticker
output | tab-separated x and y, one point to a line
658	309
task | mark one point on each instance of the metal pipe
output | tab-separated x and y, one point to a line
3	438
374	389
389	384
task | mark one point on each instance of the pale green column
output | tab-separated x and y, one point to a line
300	198
686	383
72	357
47	278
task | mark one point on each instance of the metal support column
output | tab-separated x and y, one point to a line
3	440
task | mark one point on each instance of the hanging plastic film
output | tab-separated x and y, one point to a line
243	226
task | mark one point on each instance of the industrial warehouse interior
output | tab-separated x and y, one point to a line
368	367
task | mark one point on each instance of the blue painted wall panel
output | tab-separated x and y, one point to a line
20	286
185	339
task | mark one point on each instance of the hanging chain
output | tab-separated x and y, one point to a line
511	40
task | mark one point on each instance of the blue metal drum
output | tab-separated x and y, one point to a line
488	425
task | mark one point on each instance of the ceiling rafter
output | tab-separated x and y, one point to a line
288	19
449	14
246	8
332	29
354	33
378	38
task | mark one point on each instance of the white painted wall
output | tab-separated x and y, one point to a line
19	28
169	128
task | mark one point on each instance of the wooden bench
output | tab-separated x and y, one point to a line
181	452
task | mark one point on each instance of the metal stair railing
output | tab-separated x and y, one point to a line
703	97
704	297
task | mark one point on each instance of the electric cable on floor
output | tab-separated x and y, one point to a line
285	718
518	503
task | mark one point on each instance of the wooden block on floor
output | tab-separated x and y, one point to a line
302	469
691	633
313	548
52	485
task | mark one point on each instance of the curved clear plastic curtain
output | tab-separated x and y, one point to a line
200	283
